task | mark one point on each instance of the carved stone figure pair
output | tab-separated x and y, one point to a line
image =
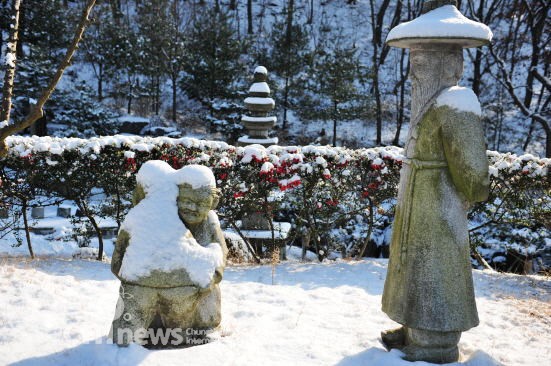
429	287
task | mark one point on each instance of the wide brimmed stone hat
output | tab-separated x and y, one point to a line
440	23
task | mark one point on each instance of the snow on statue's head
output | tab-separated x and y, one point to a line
195	184
197	193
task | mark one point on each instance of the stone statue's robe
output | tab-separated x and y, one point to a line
429	283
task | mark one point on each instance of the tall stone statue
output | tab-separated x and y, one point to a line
429	286
169	256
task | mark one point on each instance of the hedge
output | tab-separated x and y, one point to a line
336	198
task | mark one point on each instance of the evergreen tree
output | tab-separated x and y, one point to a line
334	90
83	115
175	51
123	57
212	64
289	57
5	17
43	36
100	44
153	39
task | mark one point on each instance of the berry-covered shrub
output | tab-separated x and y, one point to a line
337	199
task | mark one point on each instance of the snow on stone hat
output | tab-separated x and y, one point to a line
440	23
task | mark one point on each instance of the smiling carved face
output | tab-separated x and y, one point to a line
195	204
430	63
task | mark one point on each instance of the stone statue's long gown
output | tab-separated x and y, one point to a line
429	283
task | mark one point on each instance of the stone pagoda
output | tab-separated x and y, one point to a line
259	104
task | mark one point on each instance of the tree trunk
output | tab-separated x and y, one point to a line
129	96
174	95
288	41
401	114
157	95
378	113
285	101
118	212
9	76
26	225
249	16
369	231
20	52
477	75
548	145
100	82
335	115
83	206
529	135
481	260
305	241
376	19
116	10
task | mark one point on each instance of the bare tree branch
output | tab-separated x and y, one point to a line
506	81
37	110
546	82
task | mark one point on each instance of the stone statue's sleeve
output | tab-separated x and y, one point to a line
465	150
138	194
217	236
123	239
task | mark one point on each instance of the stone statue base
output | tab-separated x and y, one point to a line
186	314
423	345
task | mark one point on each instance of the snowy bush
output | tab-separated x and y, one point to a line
512	226
337	199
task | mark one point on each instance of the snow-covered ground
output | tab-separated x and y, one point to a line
58	312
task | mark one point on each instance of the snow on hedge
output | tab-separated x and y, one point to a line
23	146
500	163
507	163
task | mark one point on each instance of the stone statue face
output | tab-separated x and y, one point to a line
426	63
195	204
422	65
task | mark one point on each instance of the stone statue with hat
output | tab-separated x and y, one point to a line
429	286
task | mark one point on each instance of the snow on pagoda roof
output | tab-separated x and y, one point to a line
246	118
259	101
261	87
261	70
251	140
445	24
